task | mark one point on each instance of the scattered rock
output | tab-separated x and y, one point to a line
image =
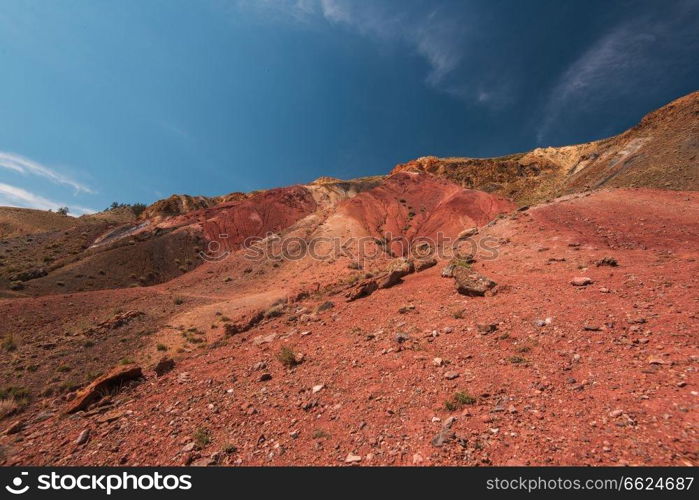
467	233
402	267
83	437
581	281
402	337
363	289
245	325
15	427
317	388
422	264
264	339
112	380
486	328
443	436
471	283
607	261
119	320
437	362
164	366
353	459
451	375
325	306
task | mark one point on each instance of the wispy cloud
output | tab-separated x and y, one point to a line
23	165
14	196
437	34
628	61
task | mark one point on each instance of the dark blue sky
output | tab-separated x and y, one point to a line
138	99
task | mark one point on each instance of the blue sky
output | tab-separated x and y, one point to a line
134	100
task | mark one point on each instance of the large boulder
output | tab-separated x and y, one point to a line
363	289
112	381
422	264
401	267
471	283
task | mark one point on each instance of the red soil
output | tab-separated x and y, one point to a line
415	206
609	379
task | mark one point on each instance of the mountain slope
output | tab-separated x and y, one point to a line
660	152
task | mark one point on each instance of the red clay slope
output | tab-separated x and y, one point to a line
418	205
610	378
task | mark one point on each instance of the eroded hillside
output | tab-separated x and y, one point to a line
660	152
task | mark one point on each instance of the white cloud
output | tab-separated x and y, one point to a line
435	34
629	61
13	196
22	165
17	197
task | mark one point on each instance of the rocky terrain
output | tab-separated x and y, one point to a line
536	309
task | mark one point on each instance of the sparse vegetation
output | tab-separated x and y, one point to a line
229	449
320	434
460	399
464	399
12	400
8	343
202	437
287	357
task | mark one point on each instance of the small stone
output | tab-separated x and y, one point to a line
325	306
317	388
451	375
353	459
83	437
188	447
485	328
402	337
592	328
294	434
15	427
164	365
304	333
417	458
681	383
443	436
437	362
581	281
616	413
265	377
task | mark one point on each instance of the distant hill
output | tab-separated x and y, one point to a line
660	152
